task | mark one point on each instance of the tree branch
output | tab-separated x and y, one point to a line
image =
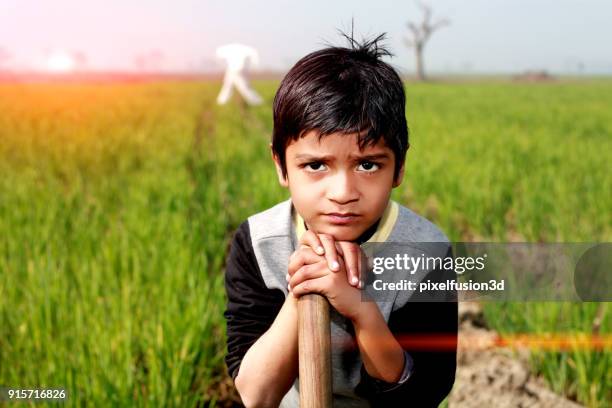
416	33
442	23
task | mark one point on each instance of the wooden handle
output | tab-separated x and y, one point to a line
314	345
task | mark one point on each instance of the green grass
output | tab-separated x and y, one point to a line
117	203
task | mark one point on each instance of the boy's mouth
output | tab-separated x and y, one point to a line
341	218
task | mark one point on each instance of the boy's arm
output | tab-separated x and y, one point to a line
431	372
270	366
382	355
261	329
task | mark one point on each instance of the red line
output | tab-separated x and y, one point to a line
481	341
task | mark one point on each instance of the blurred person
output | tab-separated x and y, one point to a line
236	56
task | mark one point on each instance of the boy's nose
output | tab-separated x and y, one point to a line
342	188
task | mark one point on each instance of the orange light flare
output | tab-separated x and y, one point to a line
487	341
556	342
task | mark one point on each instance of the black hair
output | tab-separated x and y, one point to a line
344	90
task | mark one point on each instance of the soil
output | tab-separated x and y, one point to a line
489	376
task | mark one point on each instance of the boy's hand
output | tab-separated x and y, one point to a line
319	265
324	244
316	277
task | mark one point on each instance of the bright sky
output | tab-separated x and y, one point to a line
485	36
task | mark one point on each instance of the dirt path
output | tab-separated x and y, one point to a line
494	377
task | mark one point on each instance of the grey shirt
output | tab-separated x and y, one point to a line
256	289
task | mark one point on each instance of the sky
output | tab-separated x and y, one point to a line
484	36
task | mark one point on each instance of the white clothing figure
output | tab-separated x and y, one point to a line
236	56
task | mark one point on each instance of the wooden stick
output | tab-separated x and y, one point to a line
314	345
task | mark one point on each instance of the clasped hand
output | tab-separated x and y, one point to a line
330	268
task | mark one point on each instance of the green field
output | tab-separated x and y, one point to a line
117	203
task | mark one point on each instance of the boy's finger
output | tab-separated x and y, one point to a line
360	277
307	272
352	253
311	239
303	256
317	285
329	243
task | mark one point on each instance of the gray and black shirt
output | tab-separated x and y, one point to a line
256	290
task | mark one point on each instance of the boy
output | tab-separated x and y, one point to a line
339	143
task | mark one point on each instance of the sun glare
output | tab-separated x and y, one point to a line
60	62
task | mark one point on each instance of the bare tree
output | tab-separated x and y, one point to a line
420	35
150	61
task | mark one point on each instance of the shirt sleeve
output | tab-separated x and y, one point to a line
251	306
380	386
432	362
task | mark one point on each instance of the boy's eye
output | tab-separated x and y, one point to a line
315	166
368	166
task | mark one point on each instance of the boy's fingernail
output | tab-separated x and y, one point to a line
287	277
335	265
289	287
354	281
320	250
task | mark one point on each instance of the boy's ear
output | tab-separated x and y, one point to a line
400	177
279	171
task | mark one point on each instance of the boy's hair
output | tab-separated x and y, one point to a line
343	90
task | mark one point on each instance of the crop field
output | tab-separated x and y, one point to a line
118	201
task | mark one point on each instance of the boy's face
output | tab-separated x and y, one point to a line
338	189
